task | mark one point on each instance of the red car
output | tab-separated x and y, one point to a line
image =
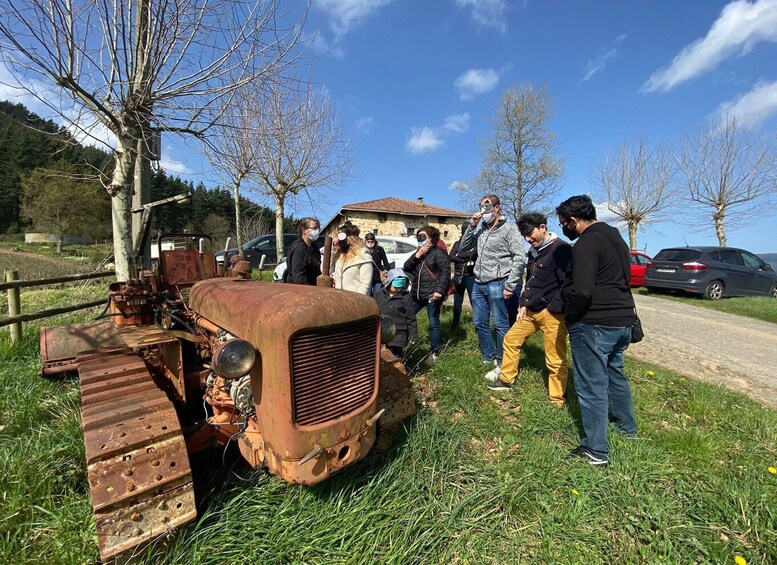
639	262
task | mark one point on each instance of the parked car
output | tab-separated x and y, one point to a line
714	272
398	250
260	245
639	262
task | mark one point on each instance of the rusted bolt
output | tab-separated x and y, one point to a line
162	505
158	477
128	472
155	463
130	487
137	532
136	516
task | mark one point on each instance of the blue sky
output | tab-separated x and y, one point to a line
418	80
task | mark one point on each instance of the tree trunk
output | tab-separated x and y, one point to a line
121	206
632	235
279	201
720	231
238	229
141	194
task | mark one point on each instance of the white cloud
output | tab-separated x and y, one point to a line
348	13
740	26
423	139
595	65
174	166
487	13
476	81
426	138
753	107
457	123
364	125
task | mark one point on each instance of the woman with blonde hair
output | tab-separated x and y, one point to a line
351	262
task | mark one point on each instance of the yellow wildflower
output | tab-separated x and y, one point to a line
772	470
650	374
739	560
574	491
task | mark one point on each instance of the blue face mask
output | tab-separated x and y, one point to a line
399	282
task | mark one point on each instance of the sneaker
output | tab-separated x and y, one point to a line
492	362
431	359
493	374
585	453
499	384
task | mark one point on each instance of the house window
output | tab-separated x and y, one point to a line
375	231
382	218
410	231
441	220
445	234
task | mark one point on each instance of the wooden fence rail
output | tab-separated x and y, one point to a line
15	317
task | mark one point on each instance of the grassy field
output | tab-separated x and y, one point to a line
758	307
479	478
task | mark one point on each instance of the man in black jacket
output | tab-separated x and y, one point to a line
303	258
380	264
599	312
463	259
540	309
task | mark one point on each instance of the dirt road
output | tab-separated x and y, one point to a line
738	352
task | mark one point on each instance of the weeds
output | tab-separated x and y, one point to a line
479	478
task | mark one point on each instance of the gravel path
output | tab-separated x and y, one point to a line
737	352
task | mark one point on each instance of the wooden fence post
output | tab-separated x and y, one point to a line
14	306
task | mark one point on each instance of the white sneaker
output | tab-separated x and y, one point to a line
493	374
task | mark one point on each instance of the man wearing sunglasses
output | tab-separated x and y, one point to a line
499	267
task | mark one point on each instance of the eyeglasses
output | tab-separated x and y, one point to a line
486	207
565	223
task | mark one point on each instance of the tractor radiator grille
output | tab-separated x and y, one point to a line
332	370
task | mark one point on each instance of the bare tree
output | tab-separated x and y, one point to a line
520	159
729	170
135	67
637	182
302	145
256	224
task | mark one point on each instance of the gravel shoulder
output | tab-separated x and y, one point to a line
737	352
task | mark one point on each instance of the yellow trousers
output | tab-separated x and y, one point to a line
555	333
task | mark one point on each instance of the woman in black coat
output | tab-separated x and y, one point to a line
303	258
431	272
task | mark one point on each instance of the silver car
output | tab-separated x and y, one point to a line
398	250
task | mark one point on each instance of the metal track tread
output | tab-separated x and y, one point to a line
136	458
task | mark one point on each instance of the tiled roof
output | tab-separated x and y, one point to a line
407	207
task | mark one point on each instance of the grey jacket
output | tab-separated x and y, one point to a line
500	253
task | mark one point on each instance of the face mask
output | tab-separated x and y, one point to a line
370	243
398	282
421	240
488	218
569	233
314	235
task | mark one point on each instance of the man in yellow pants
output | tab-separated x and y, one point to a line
540	309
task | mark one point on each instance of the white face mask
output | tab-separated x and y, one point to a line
488	218
314	235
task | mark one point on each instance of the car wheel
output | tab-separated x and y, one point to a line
714	291
773	291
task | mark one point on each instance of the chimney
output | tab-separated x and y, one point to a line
420	200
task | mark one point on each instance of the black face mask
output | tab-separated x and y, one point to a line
569	233
421	239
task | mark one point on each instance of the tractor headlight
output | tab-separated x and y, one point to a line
234	358
387	329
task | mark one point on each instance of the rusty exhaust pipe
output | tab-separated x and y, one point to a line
325	278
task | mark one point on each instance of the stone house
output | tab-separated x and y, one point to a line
399	218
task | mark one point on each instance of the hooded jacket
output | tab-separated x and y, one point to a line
399	307
355	275
303	263
546	270
500	253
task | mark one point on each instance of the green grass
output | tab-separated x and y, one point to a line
758	307
479	478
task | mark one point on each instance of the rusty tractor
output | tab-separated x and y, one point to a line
294	375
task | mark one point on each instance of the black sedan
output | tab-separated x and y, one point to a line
260	245
714	272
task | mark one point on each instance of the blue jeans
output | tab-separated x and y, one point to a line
602	389
467	282
433	314
487	301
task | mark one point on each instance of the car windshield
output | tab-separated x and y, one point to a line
677	255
